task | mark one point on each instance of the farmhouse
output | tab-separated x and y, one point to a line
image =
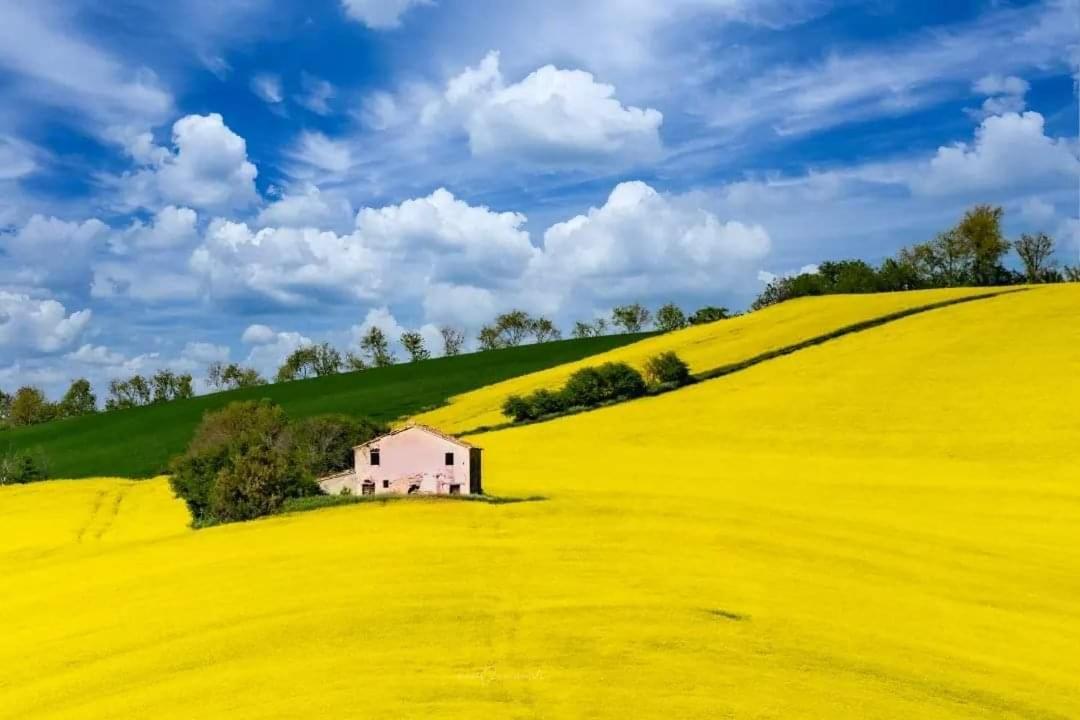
413	459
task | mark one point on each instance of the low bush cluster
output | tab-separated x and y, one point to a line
247	459
19	468
594	386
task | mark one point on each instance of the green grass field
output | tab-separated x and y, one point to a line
139	442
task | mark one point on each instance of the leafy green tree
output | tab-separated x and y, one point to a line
29	406
709	314
984	243
133	392
847	276
667	368
543	330
355	363
546	402
324	444
168	386
5	409
376	348
19	467
413	342
586	387
232	376
453	340
622	381
631	318
1071	273
518	409
670	317
490	338
240	464
513	327
78	400
896	274
1035	252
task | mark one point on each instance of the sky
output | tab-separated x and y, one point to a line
226	180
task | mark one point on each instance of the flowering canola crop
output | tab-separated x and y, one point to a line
703	347
883	526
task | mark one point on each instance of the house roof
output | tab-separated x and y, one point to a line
417	426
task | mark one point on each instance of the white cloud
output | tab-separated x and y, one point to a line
170	227
1008	151
95	355
382	318
380	14
204	353
316	94
267	87
1005	95
642	243
140	279
766	277
394	252
258	334
1036	210
315	151
53	252
17	158
267	357
36	325
307	206
209	169
551	117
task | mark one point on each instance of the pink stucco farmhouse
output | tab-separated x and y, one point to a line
413	459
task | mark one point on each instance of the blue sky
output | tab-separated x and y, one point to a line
189	182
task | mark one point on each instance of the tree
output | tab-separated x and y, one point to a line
324	444
847	276
585	388
596	328
631	318
78	400
981	237
5	409
622	381
325	360
709	314
453	340
1035	252
489	338
897	274
667	368
20	467
543	330
413	342
670	317
168	386
310	361
133	392
29	407
776	291
513	327
354	363
1072	273
240	464
376	348
232	376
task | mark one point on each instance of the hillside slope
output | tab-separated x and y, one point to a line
139	442
883	526
703	347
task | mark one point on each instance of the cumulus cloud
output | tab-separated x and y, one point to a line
394	251
170	227
35	325
207	169
270	351
315	152
204	353
307	206
382	318
379	14
1008	151
641	242
47	251
551	117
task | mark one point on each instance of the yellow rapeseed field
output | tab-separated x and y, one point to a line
883	526
703	347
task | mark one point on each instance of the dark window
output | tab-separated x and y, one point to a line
449	458
385	484
414	488
374	456
455	489
369	488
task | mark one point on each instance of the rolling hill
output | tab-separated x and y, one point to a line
705	347
140	441
881	526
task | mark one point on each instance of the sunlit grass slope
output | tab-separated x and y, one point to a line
140	442
882	526
704	347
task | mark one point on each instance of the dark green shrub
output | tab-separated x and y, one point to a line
667	368
18	468
585	388
324	444
518	409
546	402
621	381
240	464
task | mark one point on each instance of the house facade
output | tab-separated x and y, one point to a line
414	459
